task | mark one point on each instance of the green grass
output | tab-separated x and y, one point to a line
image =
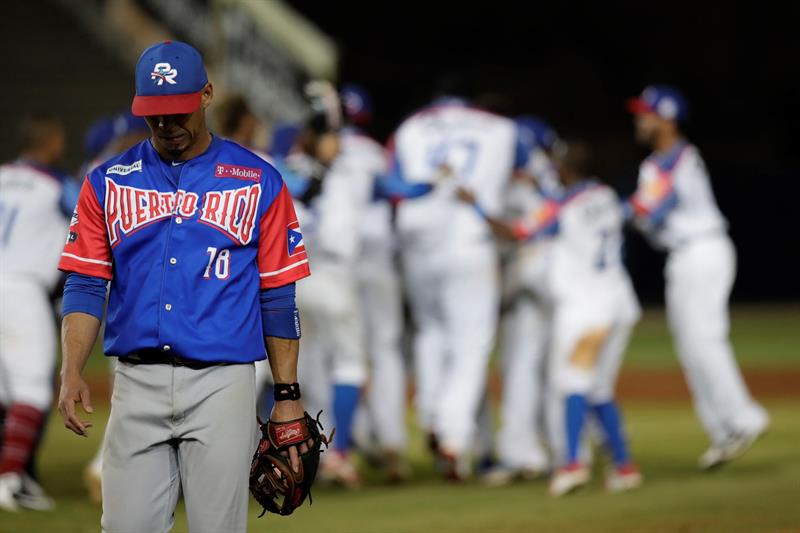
764	337
757	493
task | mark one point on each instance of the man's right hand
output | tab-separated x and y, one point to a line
74	390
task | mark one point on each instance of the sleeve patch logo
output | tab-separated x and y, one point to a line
294	239
124	170
222	170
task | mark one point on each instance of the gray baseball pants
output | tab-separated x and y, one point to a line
176	430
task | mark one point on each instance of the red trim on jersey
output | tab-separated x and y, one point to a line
526	228
275	266
87	250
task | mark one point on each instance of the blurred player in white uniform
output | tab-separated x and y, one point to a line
450	263
335	186
594	310
674	207
380	295
525	327
35	204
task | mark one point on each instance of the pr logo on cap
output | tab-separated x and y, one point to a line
170	78
163	72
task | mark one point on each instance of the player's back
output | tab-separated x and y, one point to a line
587	251
450	145
335	215
695	212
32	227
368	157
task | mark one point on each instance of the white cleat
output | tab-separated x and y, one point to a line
32	496
623	479
10	485
454	467
339	469
733	447
568	479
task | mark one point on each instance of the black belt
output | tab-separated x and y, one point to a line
156	357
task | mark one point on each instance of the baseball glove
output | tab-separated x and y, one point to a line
273	483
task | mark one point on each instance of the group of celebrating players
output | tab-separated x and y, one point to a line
493	230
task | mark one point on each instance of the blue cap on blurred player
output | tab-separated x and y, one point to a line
170	77
283	138
663	100
534	132
357	104
126	123
98	136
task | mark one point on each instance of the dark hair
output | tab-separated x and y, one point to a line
231	112
455	82
578	157
35	129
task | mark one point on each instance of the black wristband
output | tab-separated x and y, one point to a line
286	391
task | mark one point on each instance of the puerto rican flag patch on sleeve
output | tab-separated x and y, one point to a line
294	239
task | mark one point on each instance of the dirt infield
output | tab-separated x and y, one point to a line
634	384
671	385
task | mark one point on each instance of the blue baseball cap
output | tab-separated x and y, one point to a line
534	132
126	123
98	136
665	101
357	103
170	77
283	138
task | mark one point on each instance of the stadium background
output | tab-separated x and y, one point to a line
573	64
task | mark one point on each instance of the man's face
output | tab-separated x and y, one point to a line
648	126
174	134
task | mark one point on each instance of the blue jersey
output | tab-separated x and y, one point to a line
186	247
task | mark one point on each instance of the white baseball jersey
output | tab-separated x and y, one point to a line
586	253
450	144
366	159
335	216
674	200
32	226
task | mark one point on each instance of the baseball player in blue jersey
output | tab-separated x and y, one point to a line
197	238
674	207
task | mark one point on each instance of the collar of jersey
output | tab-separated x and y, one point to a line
578	188
210	153
50	171
667	161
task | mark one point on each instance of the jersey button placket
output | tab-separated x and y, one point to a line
170	281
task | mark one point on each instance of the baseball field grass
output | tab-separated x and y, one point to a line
760	492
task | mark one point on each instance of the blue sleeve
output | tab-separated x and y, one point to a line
295	183
84	294
658	215
393	185
521	155
279	315
70	189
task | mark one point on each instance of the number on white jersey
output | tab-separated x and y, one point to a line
8	215
457	156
